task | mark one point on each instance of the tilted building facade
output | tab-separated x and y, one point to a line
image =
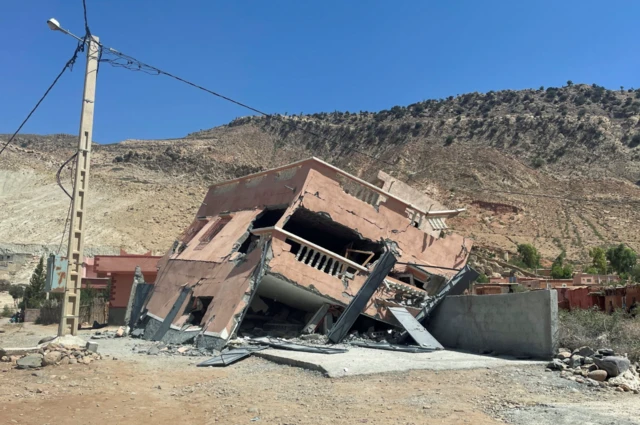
299	236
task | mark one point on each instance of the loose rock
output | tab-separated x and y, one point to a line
30	361
598	375
614	365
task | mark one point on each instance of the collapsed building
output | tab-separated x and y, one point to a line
290	249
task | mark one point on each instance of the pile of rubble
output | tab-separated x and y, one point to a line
52	354
163	349
601	368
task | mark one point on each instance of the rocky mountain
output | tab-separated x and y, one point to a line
557	167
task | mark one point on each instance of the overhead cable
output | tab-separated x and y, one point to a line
68	65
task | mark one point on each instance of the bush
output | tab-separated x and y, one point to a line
529	255
618	331
537	162
635	141
16	291
6	311
449	140
482	278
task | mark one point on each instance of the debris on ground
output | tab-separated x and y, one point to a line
54	354
601	368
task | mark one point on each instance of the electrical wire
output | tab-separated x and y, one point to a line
60	170
68	65
122	60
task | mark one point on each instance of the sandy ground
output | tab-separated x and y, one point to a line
131	388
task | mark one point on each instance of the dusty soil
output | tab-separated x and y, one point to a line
128	387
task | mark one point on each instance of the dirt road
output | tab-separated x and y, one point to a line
137	388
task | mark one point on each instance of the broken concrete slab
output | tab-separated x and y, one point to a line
18	351
419	334
391	347
231	356
286	345
364	361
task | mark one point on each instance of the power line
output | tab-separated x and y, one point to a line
128	62
69	65
60	170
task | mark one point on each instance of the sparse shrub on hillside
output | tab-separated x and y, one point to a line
449	140
537	162
569	83
635	141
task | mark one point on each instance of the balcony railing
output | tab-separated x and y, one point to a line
315	256
360	191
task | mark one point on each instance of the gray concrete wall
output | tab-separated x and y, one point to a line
521	324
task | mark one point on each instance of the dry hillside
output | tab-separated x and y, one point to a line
578	147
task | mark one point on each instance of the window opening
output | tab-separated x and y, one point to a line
213	231
196	309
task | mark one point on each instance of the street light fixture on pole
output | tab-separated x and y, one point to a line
70	316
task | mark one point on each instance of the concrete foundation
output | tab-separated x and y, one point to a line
365	361
521	324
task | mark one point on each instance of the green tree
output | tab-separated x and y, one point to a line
559	270
635	273
598	261
529	255
622	258
16	291
34	294
569	83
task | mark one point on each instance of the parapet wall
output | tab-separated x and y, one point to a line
520	324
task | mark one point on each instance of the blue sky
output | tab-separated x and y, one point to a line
301	56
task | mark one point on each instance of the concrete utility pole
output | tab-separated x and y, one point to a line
70	317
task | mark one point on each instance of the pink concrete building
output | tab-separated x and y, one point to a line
268	250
